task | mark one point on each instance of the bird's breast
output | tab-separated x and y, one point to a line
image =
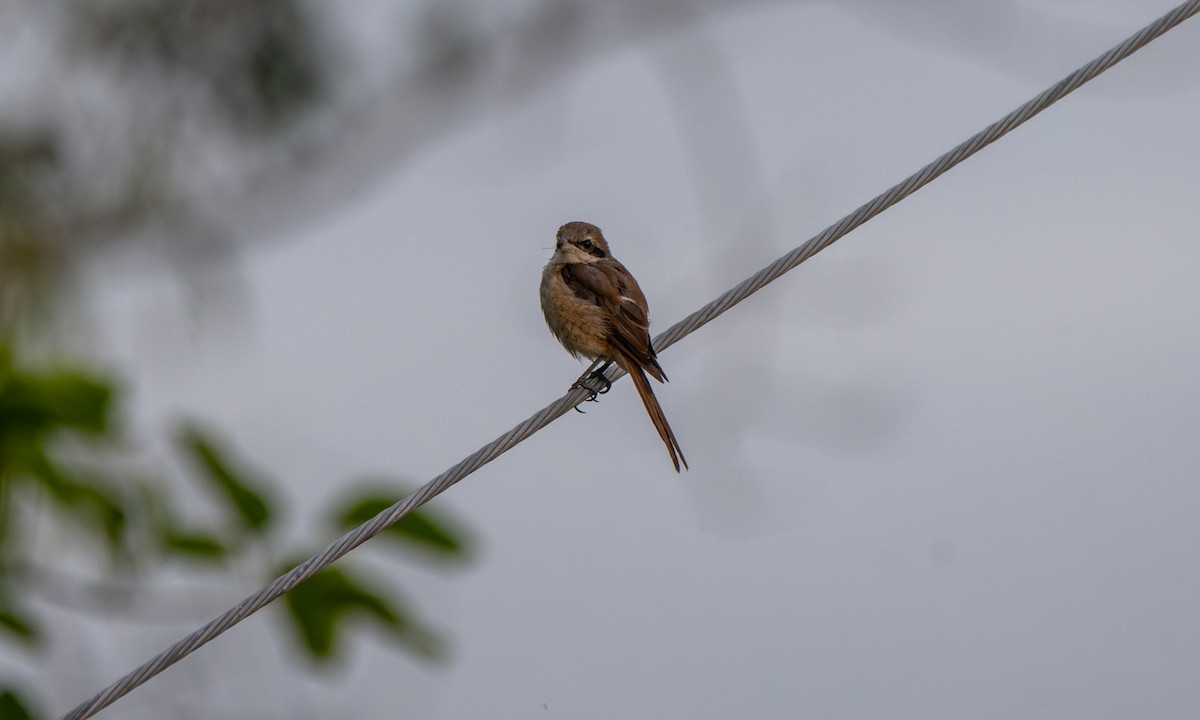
580	325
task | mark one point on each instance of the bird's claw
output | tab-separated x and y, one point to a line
595	383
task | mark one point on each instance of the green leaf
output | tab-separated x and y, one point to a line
50	475
90	500
320	606
19	627
419	527
249	503
40	403
11	707
109	512
198	545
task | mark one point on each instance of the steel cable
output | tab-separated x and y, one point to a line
551	412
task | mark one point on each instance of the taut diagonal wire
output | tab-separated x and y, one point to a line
548	414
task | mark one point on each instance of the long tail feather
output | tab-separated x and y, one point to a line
655	411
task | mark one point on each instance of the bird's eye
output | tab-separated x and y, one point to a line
586	244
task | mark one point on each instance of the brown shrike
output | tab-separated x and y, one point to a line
596	309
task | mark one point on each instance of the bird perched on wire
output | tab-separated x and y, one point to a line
596	309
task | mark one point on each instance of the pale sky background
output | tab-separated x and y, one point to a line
949	468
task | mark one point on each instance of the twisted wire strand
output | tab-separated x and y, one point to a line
676	332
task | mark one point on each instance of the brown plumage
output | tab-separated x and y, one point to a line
596	309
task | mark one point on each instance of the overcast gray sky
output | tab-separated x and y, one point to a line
949	468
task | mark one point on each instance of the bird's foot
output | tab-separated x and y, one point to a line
595	383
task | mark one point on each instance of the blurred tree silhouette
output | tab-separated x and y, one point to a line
253	63
192	74
181	128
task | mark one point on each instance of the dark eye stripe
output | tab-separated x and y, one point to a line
592	248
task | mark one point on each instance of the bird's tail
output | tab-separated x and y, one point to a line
655	411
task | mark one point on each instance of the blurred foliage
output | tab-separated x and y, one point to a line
11	707
107	151
245	496
28	244
45	414
320	605
253	70
421	528
256	61
19	626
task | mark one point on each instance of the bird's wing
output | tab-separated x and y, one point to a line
609	285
